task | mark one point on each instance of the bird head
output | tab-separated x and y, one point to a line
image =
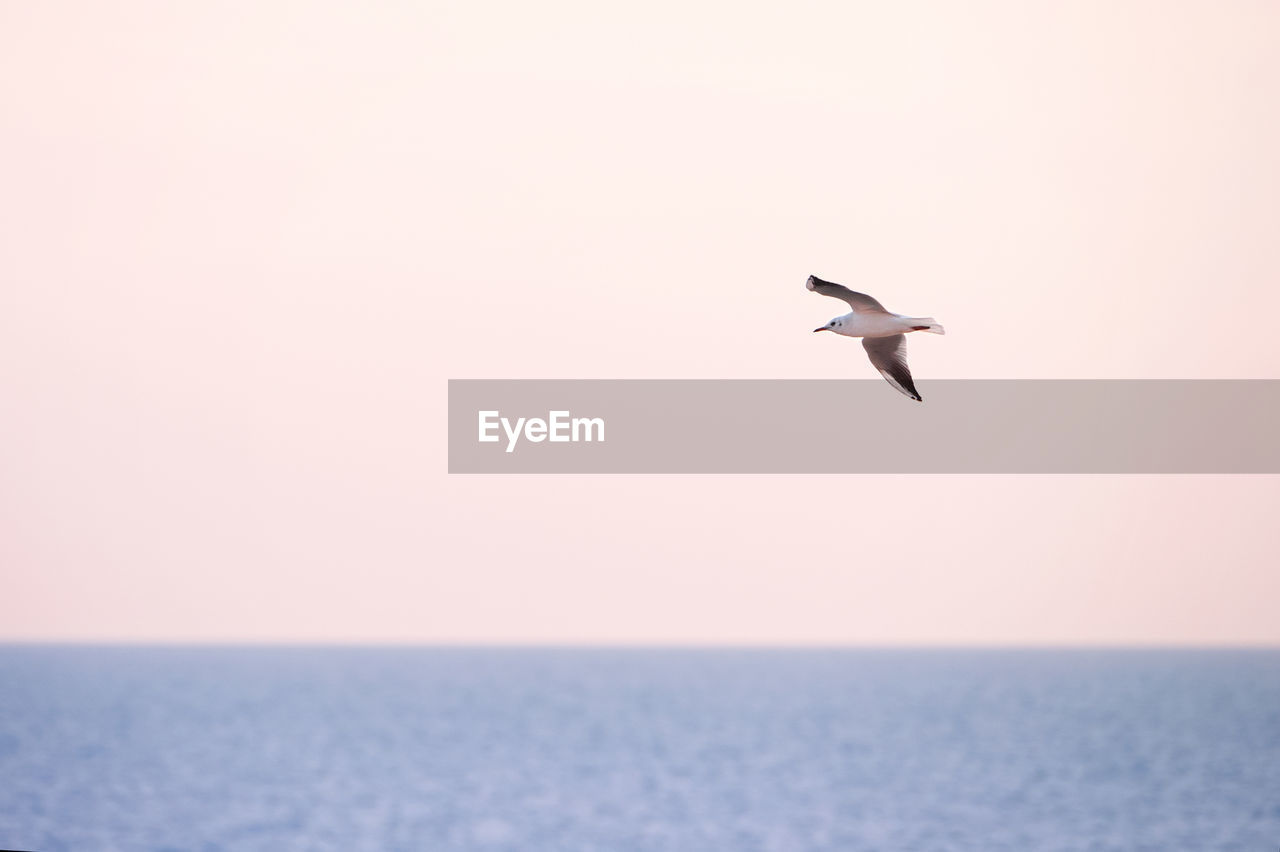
831	326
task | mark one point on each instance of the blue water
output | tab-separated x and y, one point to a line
617	750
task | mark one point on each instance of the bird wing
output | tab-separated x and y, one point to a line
857	301
889	356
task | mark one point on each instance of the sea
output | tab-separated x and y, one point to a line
637	749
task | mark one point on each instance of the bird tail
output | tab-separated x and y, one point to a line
928	324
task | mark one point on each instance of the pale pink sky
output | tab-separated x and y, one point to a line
243	247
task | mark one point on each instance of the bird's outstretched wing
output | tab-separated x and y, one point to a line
857	301
889	356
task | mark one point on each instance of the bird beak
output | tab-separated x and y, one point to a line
820	328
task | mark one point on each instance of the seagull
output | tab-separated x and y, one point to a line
884	334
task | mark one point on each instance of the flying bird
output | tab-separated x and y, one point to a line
884	334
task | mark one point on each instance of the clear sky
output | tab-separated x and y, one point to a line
243	247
